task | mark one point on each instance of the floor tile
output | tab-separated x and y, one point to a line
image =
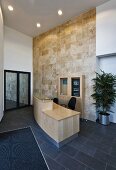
113	151
69	150
110	168
100	146
77	145
90	161
89	150
70	163
50	150
112	161
53	165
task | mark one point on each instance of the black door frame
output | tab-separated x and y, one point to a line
18	81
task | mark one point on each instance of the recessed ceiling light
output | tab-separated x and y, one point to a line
60	12
38	25
10	8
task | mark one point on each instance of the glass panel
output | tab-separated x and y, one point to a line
23	89
11	90
76	87
63	86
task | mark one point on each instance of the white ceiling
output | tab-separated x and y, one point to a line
28	12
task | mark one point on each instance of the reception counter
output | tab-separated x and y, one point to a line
59	123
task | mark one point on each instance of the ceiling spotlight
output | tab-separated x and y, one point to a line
60	12
38	25
10	8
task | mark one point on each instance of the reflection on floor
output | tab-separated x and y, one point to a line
94	149
10	104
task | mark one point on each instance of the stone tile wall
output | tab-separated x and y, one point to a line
66	50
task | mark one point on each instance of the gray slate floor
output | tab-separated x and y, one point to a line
94	149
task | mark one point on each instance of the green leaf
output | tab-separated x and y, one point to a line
104	91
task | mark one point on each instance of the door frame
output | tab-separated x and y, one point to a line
18	82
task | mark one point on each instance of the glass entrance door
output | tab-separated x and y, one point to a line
11	90
16	89
24	89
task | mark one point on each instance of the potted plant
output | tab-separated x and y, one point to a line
104	95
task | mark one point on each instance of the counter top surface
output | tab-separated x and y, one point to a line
43	99
59	113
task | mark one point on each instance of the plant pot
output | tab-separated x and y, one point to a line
104	119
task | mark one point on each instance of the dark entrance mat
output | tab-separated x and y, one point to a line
19	151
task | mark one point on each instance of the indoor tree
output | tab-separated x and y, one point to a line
104	92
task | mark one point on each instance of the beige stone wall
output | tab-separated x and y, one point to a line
66	50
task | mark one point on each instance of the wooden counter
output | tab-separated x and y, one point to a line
58	122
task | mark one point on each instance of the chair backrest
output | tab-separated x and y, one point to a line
72	103
55	100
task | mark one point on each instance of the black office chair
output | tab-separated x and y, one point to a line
72	103
55	100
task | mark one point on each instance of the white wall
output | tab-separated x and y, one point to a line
106	28
106	40
1	65
108	64
18	52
